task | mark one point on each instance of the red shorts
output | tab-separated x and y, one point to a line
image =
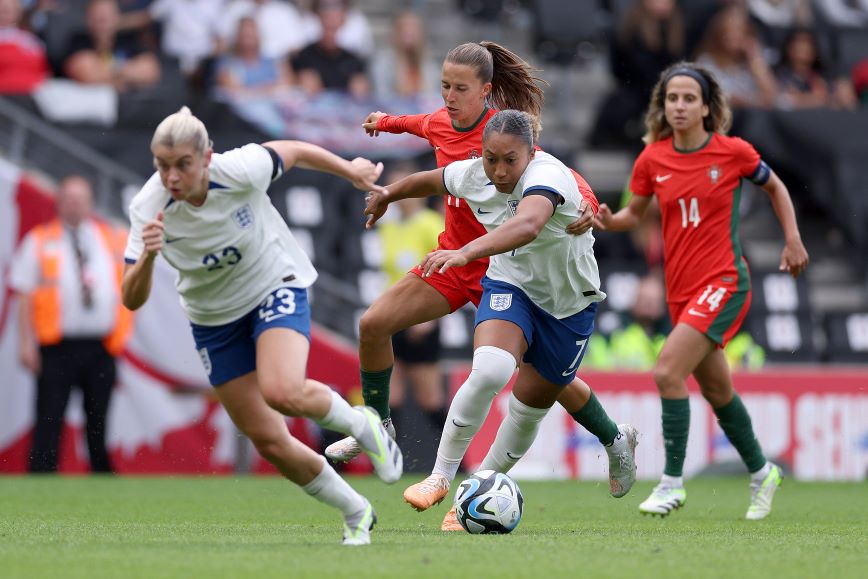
716	311
458	285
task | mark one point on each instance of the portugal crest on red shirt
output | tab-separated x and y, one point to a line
714	174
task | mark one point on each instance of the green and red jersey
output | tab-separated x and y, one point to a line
699	192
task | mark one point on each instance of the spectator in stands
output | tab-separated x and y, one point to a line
407	239
743	353
23	64
281	28
72	324
732	52
844	12
353	35
245	71
136	18
324	65
860	81
636	346
781	13
404	69
189	29
800	73
103	55
649	38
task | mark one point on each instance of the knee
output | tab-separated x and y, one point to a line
717	394
492	368
287	398
373	326
667	380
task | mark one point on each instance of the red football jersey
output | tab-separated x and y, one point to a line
450	144
699	193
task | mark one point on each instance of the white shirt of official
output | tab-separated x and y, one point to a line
76	320
232	251
557	271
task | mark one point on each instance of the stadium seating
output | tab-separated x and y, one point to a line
847	335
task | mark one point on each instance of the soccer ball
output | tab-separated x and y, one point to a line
488	502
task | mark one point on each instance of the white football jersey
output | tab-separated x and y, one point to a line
557	271
233	250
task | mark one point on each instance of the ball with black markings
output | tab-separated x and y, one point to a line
488	502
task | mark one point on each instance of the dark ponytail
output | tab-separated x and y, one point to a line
513	84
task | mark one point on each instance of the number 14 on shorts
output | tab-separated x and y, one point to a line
712	296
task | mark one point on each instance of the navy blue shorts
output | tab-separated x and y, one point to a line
555	348
229	351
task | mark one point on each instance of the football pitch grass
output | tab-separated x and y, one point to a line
265	527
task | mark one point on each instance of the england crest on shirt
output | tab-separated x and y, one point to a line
513	206
243	217
500	302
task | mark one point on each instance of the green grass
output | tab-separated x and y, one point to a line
265	527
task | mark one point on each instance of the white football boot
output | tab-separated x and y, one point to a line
346	449
762	492
360	534
663	500
384	452
622	461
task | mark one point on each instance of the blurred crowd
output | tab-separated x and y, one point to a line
279	64
765	53
237	46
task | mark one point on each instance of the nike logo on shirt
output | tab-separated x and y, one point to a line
661	178
174	239
481	212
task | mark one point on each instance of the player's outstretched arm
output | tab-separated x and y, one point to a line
530	217
422	184
625	219
794	257
136	285
378	122
361	172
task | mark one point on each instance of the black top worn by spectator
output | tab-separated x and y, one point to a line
127	45
335	67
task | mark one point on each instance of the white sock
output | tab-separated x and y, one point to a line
761	473
342	417
515	436
329	488
673	482
492	369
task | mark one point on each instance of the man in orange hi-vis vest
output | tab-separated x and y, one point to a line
72	324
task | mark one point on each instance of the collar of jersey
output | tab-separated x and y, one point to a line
473	126
699	148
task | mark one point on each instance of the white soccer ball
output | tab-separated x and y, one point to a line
488	502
